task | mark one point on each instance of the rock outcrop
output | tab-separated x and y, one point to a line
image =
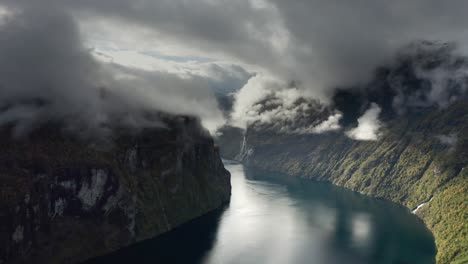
64	200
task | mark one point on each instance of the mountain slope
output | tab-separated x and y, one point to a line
412	163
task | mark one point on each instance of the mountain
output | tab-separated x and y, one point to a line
419	159
65	200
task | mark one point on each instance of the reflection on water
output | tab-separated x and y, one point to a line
284	220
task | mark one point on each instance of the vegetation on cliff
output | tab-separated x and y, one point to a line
64	200
420	156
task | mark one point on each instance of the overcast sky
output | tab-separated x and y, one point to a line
170	54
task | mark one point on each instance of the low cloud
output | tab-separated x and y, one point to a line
47	74
436	74
265	103
423	75
448	140
368	128
174	56
161	91
331	124
246	109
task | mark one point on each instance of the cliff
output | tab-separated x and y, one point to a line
65	200
420	158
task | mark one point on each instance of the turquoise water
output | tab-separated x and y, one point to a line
274	219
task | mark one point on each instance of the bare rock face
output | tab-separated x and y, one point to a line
64	200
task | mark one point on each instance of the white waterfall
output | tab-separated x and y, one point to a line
245	152
421	206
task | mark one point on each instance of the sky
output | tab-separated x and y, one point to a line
95	60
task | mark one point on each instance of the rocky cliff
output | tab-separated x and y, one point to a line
64	200
420	161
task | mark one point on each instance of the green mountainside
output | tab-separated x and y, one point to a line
410	164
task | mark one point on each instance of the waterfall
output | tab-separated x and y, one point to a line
421	206
245	152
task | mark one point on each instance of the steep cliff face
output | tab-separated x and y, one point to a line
64	201
420	158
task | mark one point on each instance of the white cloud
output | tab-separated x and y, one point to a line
269	103
331	124
4	13
170	93
368	125
301	41
54	76
448	140
244	111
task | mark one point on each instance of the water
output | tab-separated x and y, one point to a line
284	220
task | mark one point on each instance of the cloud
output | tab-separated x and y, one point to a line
245	99
47	74
243	31
422	75
170	93
318	46
44	66
368	125
320	43
331	124
437	76
343	42
448	140
268	104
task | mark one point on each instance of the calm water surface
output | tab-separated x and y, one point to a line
277	220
